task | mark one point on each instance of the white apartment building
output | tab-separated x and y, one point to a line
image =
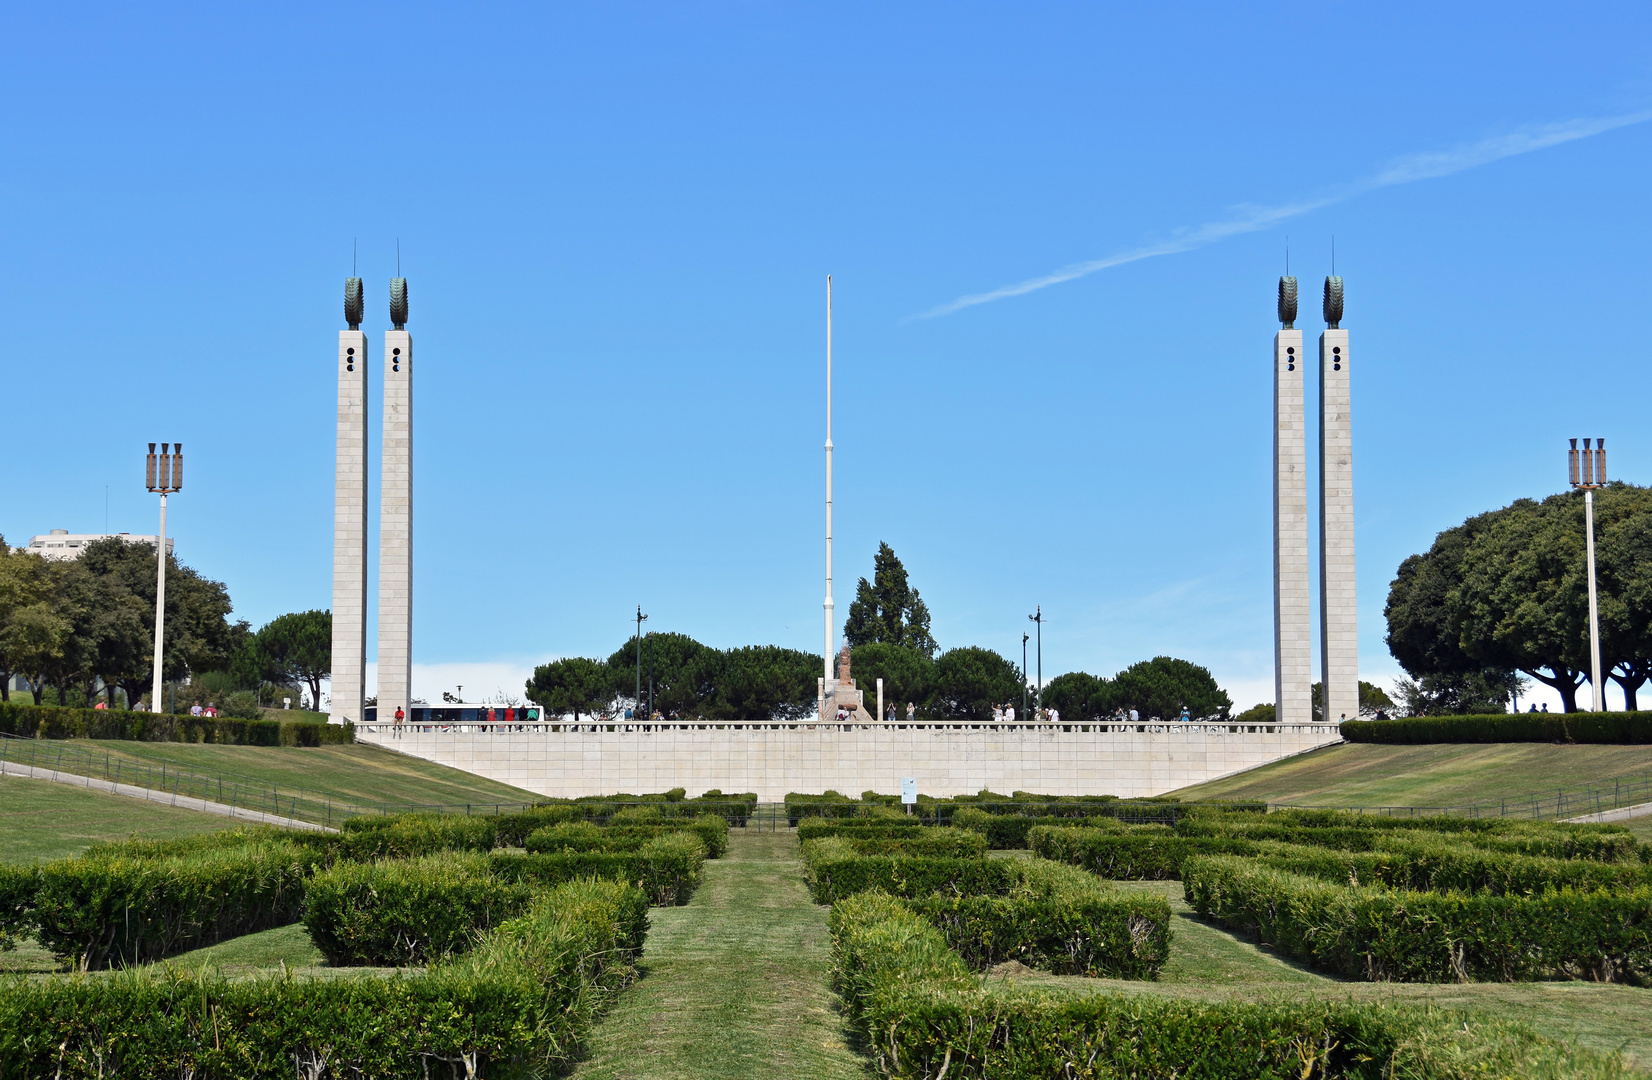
63	544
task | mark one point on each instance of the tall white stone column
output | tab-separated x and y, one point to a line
396	514
1338	623
1292	618
350	519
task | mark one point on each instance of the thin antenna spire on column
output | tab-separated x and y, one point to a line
831	628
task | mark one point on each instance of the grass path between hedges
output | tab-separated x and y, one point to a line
735	983
1210	964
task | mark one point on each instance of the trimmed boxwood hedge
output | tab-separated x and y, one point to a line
815	828
52	722
1357	832
712	832
991	910
407	911
1432	863
117	910
667	868
923	1013
516	1005
1379	934
1579	727
1126	857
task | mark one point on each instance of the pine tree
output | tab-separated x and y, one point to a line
887	609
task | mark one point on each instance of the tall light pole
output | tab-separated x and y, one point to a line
1025	637
1038	695
1592	476
829	684
641	618
164	476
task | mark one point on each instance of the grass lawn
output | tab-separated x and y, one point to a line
1208	963
354	773
47	820
735	983
1363	774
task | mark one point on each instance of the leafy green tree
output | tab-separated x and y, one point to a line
763	682
574	685
1163	686
685	672
970	682
32	634
907	674
887	609
1458	693
1078	695
297	646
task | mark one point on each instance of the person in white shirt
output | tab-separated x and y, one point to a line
1134	716
1055	715
1009	714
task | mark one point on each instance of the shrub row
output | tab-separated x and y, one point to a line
1383	934
815	828
407	911
1122	857
1005	833
515	1005
942	842
1429	863
667	868
113	910
992	910
712	832
1355	832
929	811
52	722
1603	727
922	1013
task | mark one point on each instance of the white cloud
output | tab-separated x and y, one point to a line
1404	170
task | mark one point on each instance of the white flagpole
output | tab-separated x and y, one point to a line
830	635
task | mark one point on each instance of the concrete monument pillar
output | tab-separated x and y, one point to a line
350	518
396	514
1292	620
1338	624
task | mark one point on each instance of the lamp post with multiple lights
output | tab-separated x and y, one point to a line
1038	695
164	476
1588	478
641	618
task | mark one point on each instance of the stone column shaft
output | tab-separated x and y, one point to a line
396	529
1292	619
1338	622
350	533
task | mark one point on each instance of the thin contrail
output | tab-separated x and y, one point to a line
1403	170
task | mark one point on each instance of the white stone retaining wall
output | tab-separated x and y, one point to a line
1127	760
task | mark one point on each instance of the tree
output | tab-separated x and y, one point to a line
888	610
685	672
970	682
764	682
1080	696
574	685
1458	693
296	646
907	674
32	634
1163	686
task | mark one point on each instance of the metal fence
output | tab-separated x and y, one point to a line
1549	805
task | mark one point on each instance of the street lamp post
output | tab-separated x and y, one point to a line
1591	476
164	476
1038	695
1025	637
641	618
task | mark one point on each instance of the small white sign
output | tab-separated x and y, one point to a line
909	790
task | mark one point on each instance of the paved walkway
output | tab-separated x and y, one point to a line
184	802
735	983
1622	813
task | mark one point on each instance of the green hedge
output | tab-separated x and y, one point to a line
407	911
815	828
833	870
666	868
712	831
1056	919
514	1006
120	910
1581	727
1357	832
1430	863
51	722
1382	934
1127	857
923	1014
1006	833
405	836
944	842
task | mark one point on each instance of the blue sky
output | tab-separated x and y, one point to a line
616	221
